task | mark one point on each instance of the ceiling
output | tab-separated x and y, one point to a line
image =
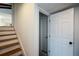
54	7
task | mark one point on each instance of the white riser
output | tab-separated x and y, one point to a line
9	49
8	42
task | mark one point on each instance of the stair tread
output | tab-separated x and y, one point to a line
8	32
9	49
7	37
17	54
6	28
6	46
11	52
8	42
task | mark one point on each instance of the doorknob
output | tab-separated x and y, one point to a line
70	43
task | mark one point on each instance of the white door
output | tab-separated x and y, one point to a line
61	33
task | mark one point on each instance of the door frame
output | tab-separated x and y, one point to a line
47	14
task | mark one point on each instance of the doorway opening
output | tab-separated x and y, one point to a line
43	34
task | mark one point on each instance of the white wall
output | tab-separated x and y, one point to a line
26	22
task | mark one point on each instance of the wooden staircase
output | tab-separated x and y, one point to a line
9	44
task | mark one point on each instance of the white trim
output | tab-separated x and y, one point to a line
43	11
46	13
21	44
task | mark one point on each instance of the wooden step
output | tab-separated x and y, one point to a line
6	28
8	34
8	51
7	37
6	46
17	54
8	42
11	52
5	33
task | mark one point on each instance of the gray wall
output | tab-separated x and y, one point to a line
76	31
